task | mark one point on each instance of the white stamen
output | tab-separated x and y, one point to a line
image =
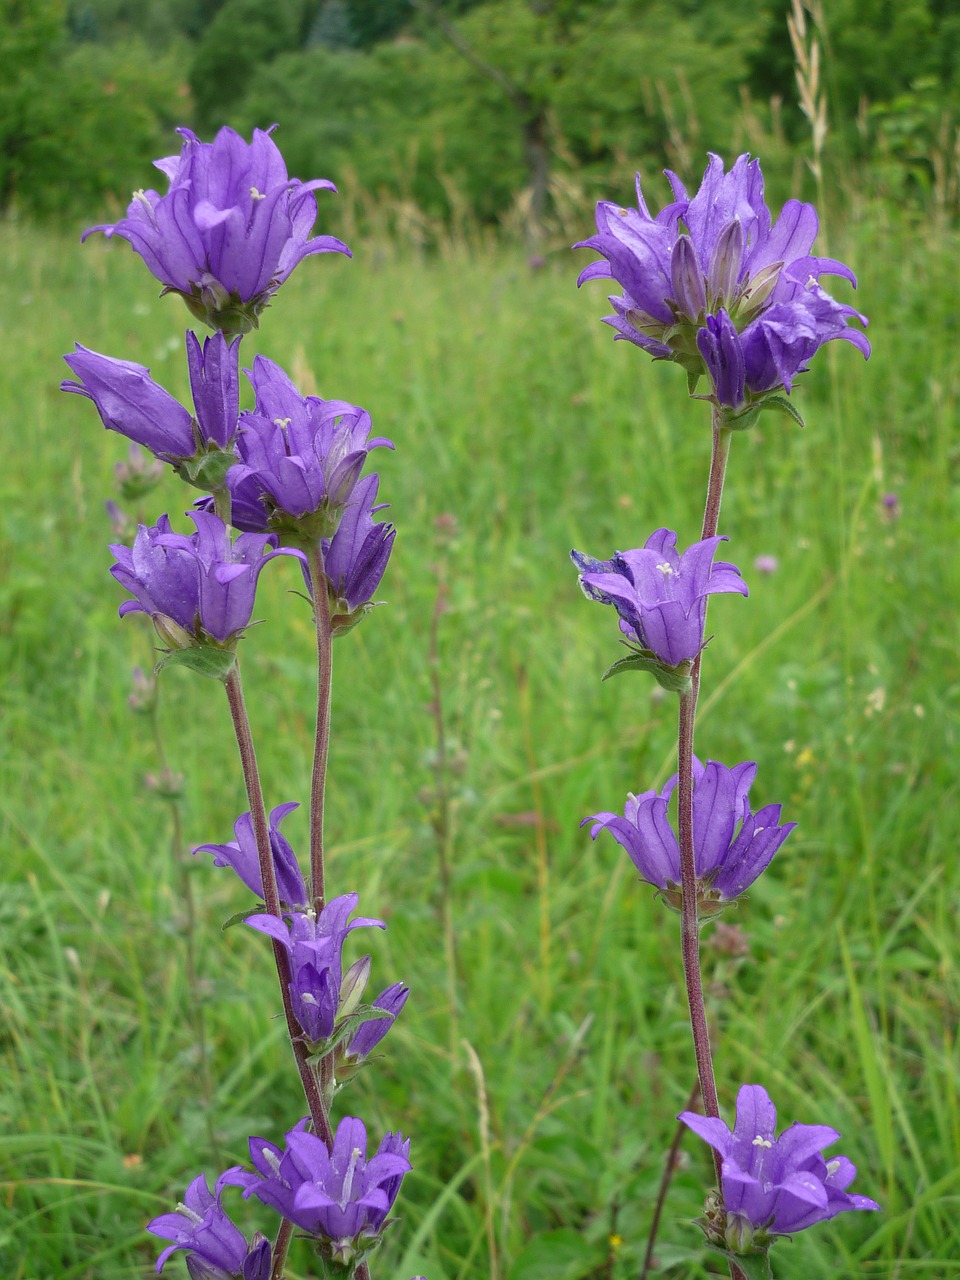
624	213
189	1213
255	194
760	1141
282	422
273	1160
348	1176
665	569
832	1167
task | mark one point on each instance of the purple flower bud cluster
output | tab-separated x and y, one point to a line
715	284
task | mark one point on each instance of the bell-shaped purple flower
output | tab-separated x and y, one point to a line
300	458
204	584
241	855
661	596
731	845
371	1033
772	1186
131	403
355	558
314	945
338	1197
216	1249
230	229
714	284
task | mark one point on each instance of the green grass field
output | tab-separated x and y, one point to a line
539	1075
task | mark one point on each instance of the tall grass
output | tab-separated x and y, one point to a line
538	1133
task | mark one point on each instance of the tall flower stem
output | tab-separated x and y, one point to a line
251	778
689	923
321	613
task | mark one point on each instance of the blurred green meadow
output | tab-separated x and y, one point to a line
544	1050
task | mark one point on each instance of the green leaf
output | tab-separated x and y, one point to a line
783	405
238	917
204	659
755	1266
669	677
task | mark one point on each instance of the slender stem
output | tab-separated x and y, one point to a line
665	1180
321	613
223	503
280	1247
251	778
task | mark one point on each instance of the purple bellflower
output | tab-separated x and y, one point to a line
714	284
198	589
319	990
130	402
355	558
230	229
241	855
731	845
300	458
339	1197
370	1034
661	596
216	1249
771	1186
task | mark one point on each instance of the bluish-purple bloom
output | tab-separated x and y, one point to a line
241	855
661	596
355	558
216	1249
371	1033
203	583
773	1186
130	402
714	284
339	1197
230	229
314	944
300	458
731	845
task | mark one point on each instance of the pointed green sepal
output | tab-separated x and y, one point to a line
783	405
675	679
207	470
238	917
204	659
755	1265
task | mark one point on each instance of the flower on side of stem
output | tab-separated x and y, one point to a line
355	558
338	1197
661	596
199	590
229	231
771	1186
369	1035
130	402
300	458
241	855
216	1249
731	845
318	986
714	284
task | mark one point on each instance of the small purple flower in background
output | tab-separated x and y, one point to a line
339	1197
230	229
300	458
355	558
216	1249
713	284
731	845
661	596
772	1186
241	855
766	564
131	403
203	584
314	944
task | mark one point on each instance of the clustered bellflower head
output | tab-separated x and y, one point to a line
198	589
714	284
324	998
338	1197
216	1249
660	595
300	458
230	229
200	446
241	854
355	558
731	845
771	1186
